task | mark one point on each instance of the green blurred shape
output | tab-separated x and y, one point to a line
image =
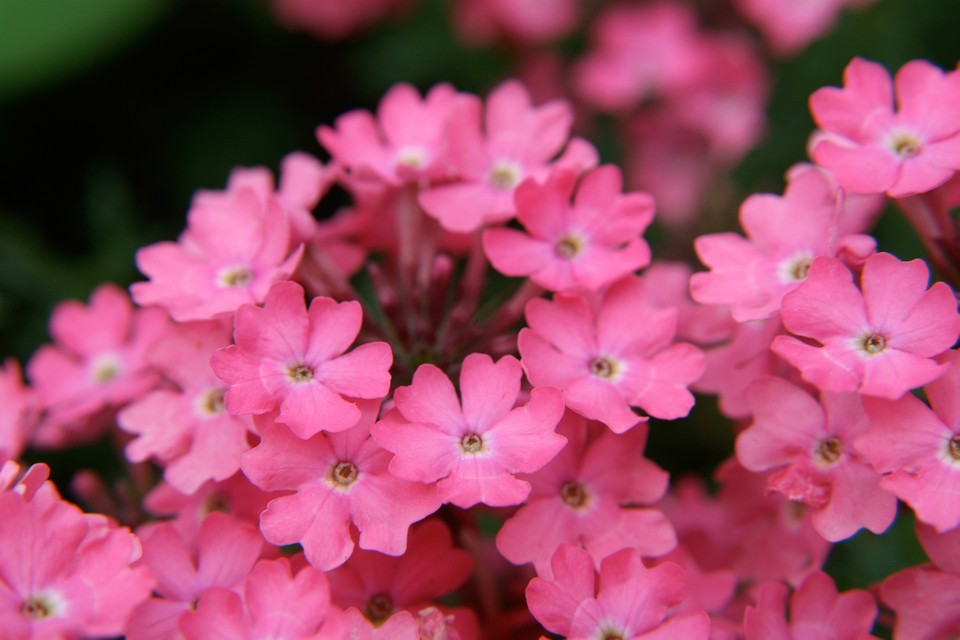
42	41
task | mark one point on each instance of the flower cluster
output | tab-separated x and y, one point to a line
345	410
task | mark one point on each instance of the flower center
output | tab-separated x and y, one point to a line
299	373
471	443
41	606
505	175
210	403
874	344
604	367
105	368
611	634
573	494
955	447
234	277
568	247
829	450
905	145
344	473
216	503
413	157
379	608
795	268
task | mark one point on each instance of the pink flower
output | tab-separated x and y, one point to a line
97	363
276	602
816	611
380	586
586	245
879	339
918	449
638	51
472	446
926	602
873	148
221	555
188	428
609	354
64	573
530	21
296	360
594	494
787	26
810	445
405	143
628	601
337	479
335	19
784	235
516	141
16	411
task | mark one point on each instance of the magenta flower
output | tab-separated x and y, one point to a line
628	601
472	446
874	148
275	602
572	247
220	556
816	611
879	339
611	354
594	494
295	360
16	411
380	586
337	479
810	446
918	449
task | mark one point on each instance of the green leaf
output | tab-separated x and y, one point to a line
45	40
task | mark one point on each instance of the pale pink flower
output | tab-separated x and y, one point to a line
472	446
406	142
784	234
610	353
230	254
879	339
293	359
816	611
187	428
338	480
586	244
595	494
303	181
628	601
810	446
514	141
918	449
873	146
97	363
276	602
